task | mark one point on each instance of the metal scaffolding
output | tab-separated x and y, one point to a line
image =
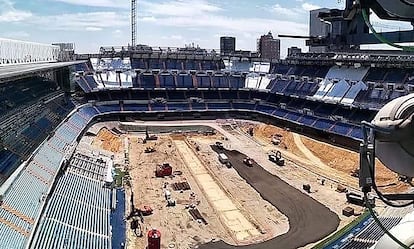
17	52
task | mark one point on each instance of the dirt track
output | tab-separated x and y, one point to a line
309	220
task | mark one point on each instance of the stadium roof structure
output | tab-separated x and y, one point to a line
17	70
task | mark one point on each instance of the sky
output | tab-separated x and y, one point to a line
91	24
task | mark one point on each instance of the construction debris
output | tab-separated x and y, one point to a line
348	211
307	188
181	186
341	189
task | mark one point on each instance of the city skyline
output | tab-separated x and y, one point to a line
96	23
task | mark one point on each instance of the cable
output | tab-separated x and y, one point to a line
379	36
384	229
372	175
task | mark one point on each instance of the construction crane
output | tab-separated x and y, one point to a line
133	22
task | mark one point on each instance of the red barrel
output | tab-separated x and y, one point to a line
154	239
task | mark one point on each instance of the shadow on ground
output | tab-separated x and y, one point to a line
309	220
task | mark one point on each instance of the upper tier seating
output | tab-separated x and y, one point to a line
177	64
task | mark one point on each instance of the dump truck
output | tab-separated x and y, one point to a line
277	158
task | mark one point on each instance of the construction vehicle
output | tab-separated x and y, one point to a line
149	149
248	161
219	145
146	210
137	216
277	158
406	179
149	137
163	170
223	158
140	212
276	140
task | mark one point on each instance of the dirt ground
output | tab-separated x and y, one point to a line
178	228
108	140
346	161
336	158
266	133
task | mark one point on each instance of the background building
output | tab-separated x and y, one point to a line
294	51
227	45
318	28
67	51
268	47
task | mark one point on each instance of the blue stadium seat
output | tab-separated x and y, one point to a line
356	133
173	64
243	106
167	81
227	95
198	106
108	108
323	124
375	75
342	128
219	106
147	80
307	120
279	86
44	124
136	107
158	107
245	95
203	81
138	64
293	116
185	81
220	81
175	95
213	95
81	67
237	82
280	113
156	64
266	109
292	87
8	162
178	107
191	65
395	76
280	69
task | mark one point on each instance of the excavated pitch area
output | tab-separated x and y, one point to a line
309	220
